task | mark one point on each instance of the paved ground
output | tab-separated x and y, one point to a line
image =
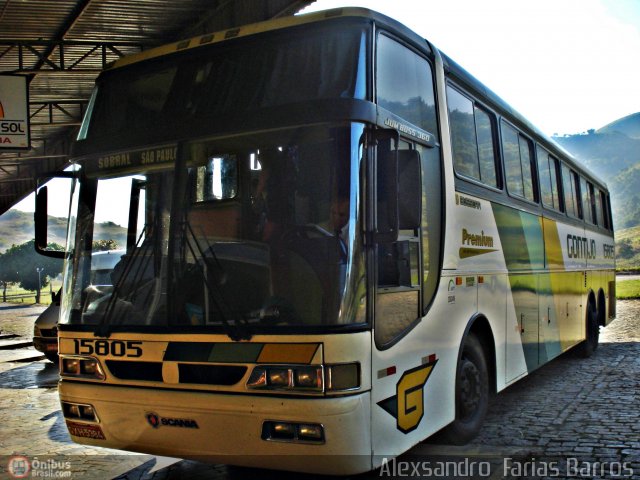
573	418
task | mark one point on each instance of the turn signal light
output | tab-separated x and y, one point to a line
79	411
293	432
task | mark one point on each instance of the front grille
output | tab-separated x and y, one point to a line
188	373
211	374
126	370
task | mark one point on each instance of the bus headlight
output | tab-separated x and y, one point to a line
310	378
84	367
278	377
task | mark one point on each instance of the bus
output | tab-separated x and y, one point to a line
339	243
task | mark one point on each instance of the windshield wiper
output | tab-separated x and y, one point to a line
103	329
208	259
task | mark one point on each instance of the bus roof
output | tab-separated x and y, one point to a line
245	31
452	69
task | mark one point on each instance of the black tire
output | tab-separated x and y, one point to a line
472	393
590	345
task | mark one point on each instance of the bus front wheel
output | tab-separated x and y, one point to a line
472	393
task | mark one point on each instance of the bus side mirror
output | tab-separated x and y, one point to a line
409	190
386	174
398	188
42	215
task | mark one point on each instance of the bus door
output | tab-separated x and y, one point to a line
398	371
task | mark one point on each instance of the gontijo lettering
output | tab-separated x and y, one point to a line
581	247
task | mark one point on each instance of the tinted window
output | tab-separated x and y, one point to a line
544	172
586	189
599	218
554	169
472	139
405	85
527	175
463	135
176	95
518	154
570	192
512	165
606	212
486	150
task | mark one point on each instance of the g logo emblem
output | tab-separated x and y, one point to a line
407	406
411	397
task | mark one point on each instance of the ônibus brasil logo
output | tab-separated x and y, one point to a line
19	466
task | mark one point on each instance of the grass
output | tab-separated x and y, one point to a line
19	295
628	289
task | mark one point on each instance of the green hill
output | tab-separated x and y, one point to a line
628	247
613	153
629	126
16	228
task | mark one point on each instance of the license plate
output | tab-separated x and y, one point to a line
51	347
86	431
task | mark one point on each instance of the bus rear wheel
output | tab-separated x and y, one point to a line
589	346
472	393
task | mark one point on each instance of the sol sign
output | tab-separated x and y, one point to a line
14	113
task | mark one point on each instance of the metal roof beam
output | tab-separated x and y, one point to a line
58	56
53	113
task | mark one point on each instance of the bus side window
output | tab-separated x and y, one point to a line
570	193
586	188
517	151
549	180
472	136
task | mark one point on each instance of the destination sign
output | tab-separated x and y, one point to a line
143	159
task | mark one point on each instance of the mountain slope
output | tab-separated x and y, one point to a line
17	227
615	157
629	126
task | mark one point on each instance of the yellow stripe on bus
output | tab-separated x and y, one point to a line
288	353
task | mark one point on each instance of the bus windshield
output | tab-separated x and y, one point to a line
209	88
243	234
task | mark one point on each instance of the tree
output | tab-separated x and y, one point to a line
8	275
625	249
104	245
20	264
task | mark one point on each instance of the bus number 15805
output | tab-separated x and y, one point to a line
117	348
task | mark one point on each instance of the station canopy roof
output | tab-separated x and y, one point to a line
62	45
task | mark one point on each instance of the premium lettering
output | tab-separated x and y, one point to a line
476	240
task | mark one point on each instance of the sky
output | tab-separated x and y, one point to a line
566	65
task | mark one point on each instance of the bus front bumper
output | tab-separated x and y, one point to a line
224	428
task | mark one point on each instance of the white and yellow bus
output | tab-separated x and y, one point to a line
338	244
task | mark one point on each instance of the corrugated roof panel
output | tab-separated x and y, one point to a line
146	22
